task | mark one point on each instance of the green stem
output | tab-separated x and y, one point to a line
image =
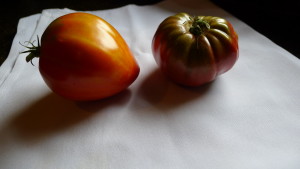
34	51
199	26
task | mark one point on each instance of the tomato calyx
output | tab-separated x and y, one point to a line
198	26
34	51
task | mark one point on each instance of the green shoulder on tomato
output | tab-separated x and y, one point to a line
193	51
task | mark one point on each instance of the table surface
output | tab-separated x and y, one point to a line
275	20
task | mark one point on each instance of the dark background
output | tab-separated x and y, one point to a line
277	20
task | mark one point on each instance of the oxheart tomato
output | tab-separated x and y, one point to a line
192	51
83	57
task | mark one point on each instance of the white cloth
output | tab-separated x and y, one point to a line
249	118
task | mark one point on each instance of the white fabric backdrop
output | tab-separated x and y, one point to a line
249	118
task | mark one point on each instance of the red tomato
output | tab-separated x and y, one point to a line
83	57
192	51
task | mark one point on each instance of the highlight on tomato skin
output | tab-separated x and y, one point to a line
83	57
192	51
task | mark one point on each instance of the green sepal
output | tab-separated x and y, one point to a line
34	51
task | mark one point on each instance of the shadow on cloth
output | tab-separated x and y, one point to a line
159	92
53	114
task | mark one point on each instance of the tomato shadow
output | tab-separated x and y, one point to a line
97	106
53	114
163	94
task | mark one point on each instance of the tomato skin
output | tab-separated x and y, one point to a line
191	58
83	57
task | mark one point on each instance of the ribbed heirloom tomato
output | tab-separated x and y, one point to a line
83	57
192	51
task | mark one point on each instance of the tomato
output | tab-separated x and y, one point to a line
192	51
83	57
